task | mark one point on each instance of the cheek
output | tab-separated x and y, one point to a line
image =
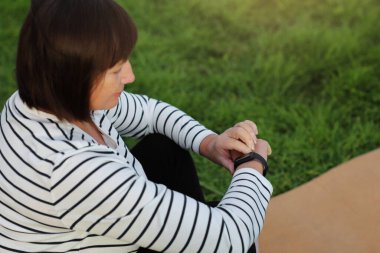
111	80
98	93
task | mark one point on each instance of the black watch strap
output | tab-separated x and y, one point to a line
250	157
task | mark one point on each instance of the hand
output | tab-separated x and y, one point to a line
262	148
220	148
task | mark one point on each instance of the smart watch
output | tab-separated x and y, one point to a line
250	157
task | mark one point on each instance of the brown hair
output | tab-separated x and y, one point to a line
64	46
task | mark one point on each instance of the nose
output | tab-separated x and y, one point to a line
127	73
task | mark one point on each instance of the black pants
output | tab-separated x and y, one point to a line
166	163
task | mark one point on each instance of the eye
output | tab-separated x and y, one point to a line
116	70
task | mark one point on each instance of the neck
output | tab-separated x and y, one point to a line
91	129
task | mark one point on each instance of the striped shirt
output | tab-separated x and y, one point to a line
63	192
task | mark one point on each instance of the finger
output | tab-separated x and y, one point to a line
229	165
268	147
247	127
263	148
240	133
233	144
269	150
253	126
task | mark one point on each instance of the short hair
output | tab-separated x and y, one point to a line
64	46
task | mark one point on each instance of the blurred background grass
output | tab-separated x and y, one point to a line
307	72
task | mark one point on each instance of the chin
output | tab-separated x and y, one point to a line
111	106
105	106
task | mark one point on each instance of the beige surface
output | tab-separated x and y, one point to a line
336	212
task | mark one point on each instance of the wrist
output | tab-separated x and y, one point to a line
256	165
205	146
251	157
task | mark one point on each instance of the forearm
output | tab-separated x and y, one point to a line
137	116
178	126
246	202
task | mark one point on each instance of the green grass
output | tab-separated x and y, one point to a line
307	72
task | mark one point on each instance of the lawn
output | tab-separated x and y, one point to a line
307	72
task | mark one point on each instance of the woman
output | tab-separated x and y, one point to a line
68	181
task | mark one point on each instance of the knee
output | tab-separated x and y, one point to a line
163	144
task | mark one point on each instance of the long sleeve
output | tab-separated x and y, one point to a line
62	192
138	115
99	194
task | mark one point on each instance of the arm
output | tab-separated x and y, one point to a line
137	116
102	195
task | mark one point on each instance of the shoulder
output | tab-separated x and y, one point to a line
87	161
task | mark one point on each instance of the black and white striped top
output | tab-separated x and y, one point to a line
62	192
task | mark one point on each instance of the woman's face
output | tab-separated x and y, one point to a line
107	90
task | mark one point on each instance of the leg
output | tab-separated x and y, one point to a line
166	163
